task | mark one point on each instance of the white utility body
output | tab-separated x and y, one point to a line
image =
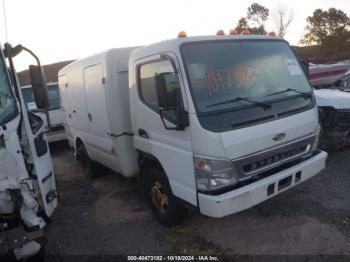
220	123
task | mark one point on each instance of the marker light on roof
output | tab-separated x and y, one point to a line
220	32
233	32
271	33
182	34
245	32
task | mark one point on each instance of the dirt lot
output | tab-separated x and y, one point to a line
108	216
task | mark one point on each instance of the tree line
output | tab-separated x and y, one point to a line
329	29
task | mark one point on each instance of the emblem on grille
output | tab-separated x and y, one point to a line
279	136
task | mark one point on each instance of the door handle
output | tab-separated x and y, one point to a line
143	133
90	117
74	111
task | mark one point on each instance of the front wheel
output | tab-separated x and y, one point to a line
164	204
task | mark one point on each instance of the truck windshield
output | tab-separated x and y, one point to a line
53	93
8	108
260	71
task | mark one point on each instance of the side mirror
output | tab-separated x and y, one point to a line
170	105
162	94
39	87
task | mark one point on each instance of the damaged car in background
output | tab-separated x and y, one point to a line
28	195
330	82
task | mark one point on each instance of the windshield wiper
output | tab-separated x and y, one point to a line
261	104
306	95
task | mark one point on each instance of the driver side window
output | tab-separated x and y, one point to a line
159	85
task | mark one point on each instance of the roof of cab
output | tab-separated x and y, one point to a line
173	44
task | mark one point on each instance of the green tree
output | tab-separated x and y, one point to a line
242	24
325	27
257	15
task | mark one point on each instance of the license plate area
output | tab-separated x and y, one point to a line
285	182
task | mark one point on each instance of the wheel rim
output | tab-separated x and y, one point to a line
159	198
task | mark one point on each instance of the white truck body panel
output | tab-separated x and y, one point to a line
175	150
95	100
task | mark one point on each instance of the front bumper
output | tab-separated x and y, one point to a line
257	192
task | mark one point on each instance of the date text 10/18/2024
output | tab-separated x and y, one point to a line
173	258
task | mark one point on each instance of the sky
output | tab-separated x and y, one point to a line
58	30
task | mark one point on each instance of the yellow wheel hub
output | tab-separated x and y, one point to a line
159	198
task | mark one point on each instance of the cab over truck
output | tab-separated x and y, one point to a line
219	123
28	193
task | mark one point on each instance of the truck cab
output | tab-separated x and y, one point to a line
28	194
215	123
221	123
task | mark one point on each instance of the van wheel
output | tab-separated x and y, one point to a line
89	166
164	204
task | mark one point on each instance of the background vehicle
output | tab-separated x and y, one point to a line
219	123
28	193
325	75
56	114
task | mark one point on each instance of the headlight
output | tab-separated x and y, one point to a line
213	174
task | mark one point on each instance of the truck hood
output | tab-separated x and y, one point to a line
253	139
332	98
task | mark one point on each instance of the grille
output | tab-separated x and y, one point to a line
273	159
342	118
263	161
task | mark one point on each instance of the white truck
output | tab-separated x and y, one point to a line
28	194
56	114
218	123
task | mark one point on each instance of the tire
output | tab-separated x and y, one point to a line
89	166
164	204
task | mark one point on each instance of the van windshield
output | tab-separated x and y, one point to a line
53	93
8	108
229	75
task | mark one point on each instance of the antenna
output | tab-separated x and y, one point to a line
4	9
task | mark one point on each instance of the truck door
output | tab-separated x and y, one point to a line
35	129
100	130
172	148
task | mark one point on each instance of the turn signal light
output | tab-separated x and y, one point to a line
182	34
220	32
271	33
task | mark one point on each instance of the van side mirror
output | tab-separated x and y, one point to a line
39	87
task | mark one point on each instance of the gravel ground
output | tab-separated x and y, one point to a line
108	217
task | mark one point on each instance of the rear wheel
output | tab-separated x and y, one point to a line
89	166
164	204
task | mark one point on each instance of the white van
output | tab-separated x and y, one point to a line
218	123
57	130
